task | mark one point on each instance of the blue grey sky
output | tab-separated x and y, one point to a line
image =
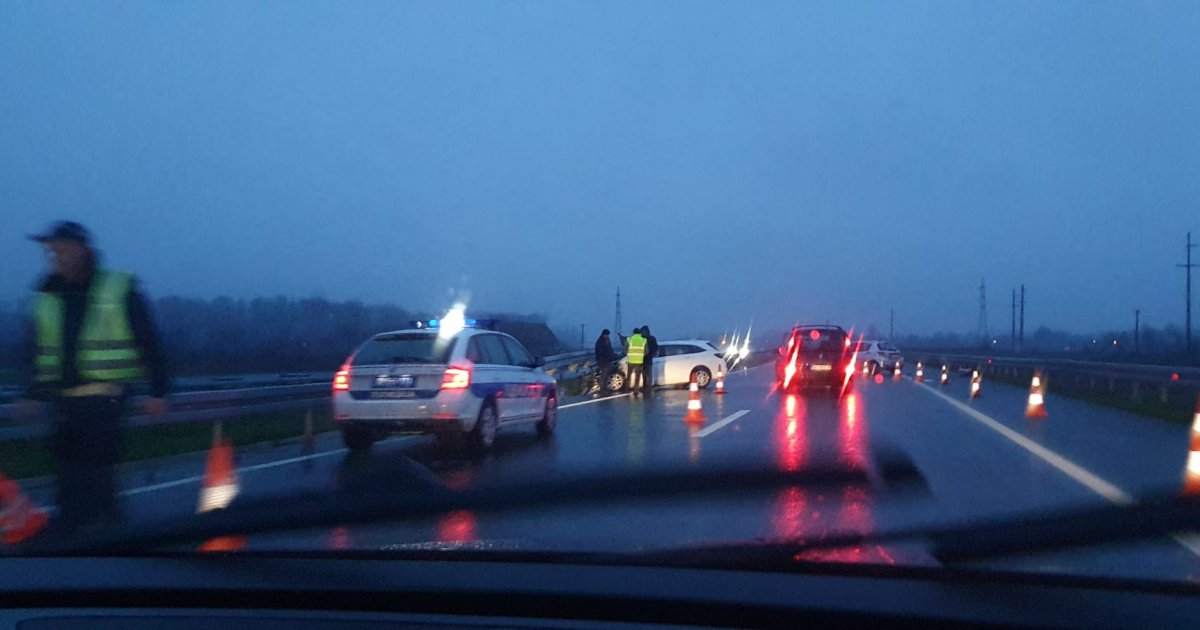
721	162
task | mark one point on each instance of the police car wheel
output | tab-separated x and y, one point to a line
702	377
549	420
357	439
484	434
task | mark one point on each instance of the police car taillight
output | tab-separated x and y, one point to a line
341	379
456	378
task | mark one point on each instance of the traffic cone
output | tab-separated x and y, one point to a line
1191	471
720	381
945	374
220	479
920	373
976	383
694	411
1036	407
866	369
896	373
20	519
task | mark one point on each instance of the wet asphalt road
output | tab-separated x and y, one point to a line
980	458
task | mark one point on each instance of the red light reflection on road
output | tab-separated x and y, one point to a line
457	527
339	538
788	514
852	432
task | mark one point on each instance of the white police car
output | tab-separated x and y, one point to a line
460	383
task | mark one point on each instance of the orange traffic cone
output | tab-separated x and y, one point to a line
720	381
976	384
866	369
20	519
945	375
896	373
694	411
1191	471
1036	407
219	489
920	373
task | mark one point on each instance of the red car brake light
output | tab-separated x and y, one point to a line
341	379
456	378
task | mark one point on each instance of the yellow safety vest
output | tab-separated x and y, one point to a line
637	350
106	351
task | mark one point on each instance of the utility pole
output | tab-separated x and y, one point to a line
1137	331
1188	268
1021	337
617	328
892	325
1013	345
983	323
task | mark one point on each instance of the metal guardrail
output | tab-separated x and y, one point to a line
227	397
1173	388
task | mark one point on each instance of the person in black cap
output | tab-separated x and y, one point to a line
91	337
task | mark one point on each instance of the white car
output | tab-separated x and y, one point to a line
460	386
677	363
876	355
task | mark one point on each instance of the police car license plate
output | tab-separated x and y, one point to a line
394	394
822	367
390	381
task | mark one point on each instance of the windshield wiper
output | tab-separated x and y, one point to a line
422	497
1158	515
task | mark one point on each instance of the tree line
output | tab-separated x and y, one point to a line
237	336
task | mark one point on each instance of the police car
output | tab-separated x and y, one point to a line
460	383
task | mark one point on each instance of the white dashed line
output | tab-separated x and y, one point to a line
724	422
588	402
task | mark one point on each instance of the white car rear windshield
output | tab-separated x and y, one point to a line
404	348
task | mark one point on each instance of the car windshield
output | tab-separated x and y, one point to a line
242	242
404	348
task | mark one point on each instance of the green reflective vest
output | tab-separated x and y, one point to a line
106	351
637	350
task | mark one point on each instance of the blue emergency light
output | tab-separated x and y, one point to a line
489	324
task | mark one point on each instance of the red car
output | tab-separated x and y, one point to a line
815	357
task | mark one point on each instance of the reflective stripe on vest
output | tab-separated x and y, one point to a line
106	350
637	350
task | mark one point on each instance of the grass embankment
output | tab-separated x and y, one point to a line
31	457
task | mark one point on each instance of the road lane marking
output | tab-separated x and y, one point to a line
189	480
1190	540
723	423
596	400
1066	466
166	485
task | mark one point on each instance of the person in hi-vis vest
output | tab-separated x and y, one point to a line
635	356
90	339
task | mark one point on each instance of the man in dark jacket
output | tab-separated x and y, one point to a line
90	339
605	355
651	352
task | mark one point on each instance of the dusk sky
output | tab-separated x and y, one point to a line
721	162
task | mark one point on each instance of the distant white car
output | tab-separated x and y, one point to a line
877	355
677	362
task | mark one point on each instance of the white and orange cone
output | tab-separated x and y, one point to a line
720	381
920	373
20	519
1036	407
1191	470
866	369
896	372
695	412
219	489
945	375
976	384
